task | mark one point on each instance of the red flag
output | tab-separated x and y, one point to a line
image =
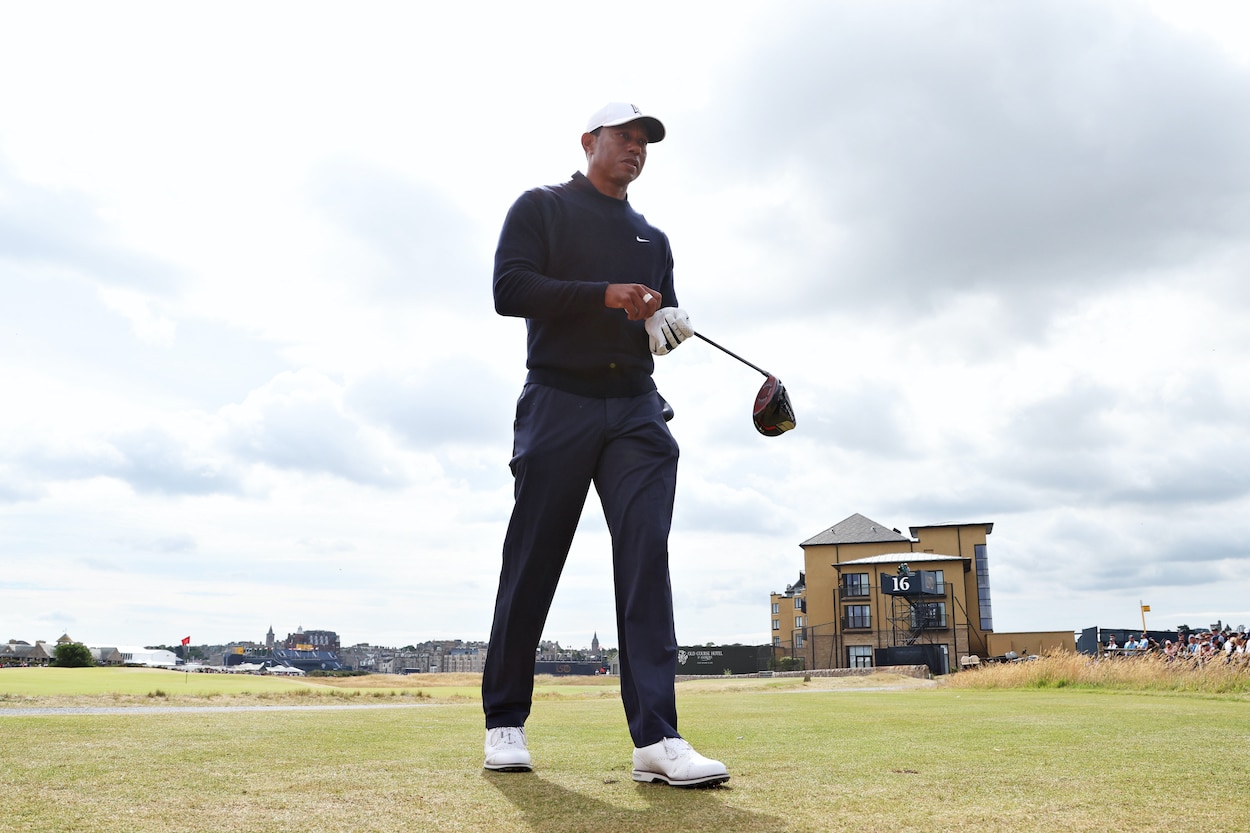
186	640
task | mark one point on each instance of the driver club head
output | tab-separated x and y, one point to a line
773	414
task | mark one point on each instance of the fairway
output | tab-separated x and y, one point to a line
802	758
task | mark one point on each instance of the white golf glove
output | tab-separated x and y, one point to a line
669	327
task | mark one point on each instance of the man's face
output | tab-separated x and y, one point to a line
616	155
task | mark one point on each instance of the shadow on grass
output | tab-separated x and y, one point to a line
552	808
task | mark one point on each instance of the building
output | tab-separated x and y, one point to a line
309	640
790	617
18	652
870	595
469	660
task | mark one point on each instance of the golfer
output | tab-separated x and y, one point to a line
594	282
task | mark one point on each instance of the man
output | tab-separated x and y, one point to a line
594	282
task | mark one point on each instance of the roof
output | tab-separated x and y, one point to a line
856	530
989	527
901	557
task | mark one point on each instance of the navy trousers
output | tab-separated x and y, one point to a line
563	443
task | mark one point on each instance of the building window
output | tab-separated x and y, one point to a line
859	656
855	584
983	586
776	641
798	641
776	624
798	621
798	602
857	616
776	608
929	615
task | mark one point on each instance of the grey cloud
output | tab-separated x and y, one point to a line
155	462
168	544
16	486
963	492
1025	151
57	322
868	418
102	565
1094	445
151	461
456	400
312	435
40	227
426	244
325	546
745	511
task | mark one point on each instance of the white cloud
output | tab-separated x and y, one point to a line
253	376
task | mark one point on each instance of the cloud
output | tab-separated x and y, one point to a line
156	462
42	228
417	245
147	323
1028	152
152	461
457	399
995	252
298	422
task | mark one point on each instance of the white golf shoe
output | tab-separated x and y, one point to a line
506	751
675	762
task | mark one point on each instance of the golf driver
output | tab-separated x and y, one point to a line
772	414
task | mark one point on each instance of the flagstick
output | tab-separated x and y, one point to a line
1143	615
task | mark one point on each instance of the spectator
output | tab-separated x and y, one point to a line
1111	644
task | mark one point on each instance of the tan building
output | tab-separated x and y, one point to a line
870	595
789	618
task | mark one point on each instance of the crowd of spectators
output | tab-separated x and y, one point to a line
1213	643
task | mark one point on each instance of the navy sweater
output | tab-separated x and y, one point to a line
559	249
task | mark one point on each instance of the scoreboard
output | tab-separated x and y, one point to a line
919	583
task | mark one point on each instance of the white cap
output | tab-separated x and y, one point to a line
618	112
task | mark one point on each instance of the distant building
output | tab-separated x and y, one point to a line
311	640
19	653
869	596
464	661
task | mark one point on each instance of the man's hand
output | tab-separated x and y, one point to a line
638	301
667	328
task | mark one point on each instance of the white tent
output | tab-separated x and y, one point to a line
150	657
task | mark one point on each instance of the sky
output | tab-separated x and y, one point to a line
252	375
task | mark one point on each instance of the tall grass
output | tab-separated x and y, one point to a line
1152	672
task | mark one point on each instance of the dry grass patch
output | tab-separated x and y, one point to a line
1152	672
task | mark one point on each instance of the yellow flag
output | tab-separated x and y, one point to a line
1145	608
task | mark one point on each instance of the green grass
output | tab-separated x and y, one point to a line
802	759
